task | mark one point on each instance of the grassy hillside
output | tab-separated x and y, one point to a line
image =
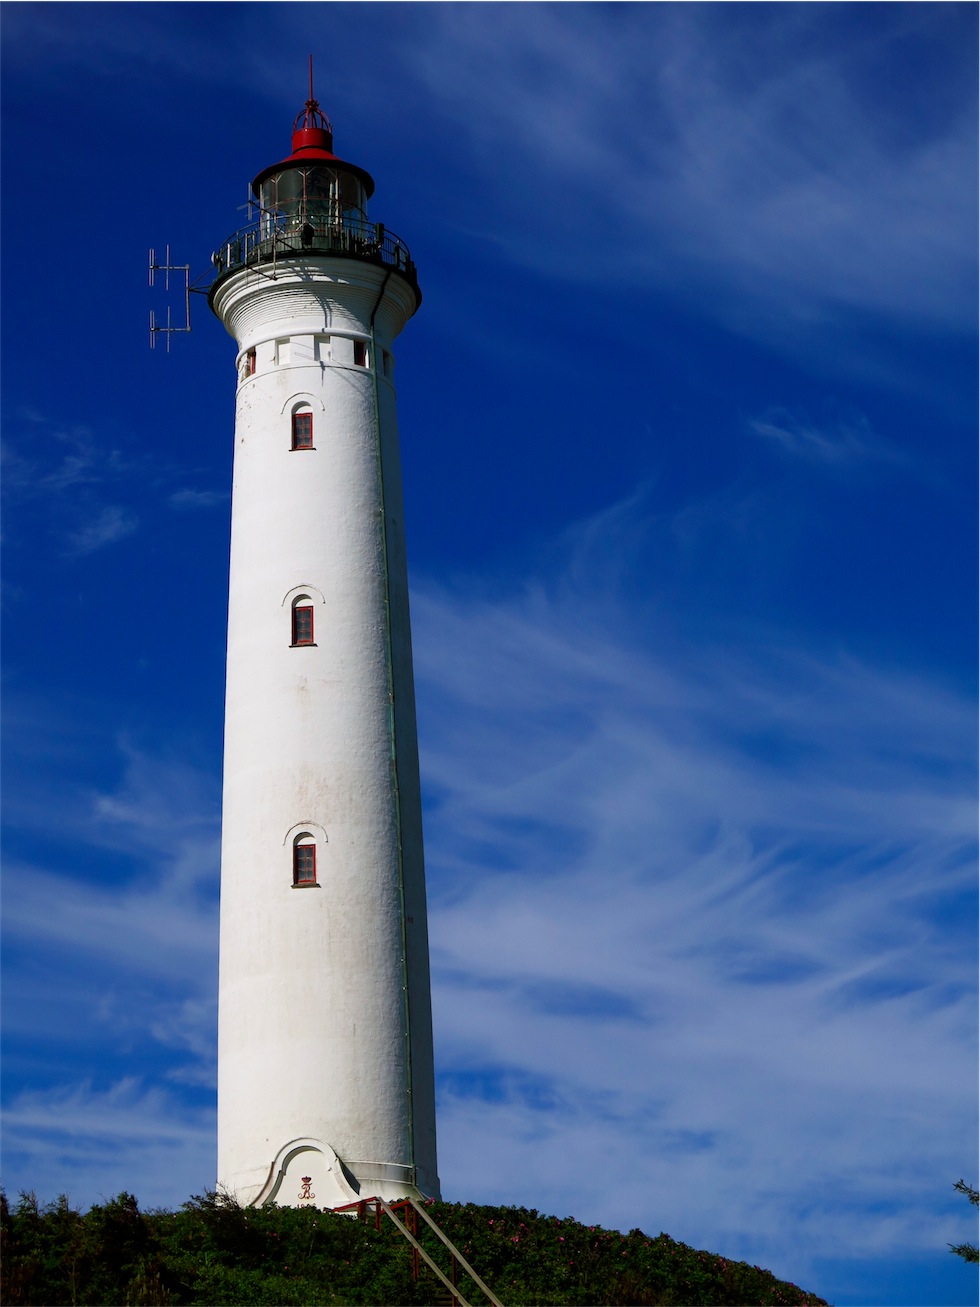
212	1253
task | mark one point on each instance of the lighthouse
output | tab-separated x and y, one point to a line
325	1067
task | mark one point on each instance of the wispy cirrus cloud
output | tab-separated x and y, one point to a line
67	465
141	929
188	498
51	462
111	523
124	1136
713	908
110	930
158	829
841	444
55	459
736	159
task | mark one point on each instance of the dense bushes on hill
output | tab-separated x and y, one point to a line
212	1252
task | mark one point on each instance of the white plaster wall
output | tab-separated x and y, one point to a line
324	1008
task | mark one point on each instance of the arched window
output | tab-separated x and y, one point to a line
302	620
304	860
302	428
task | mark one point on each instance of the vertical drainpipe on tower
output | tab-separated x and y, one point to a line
389	659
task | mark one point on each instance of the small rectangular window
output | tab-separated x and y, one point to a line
303	625
251	362
304	864
360	354
302	431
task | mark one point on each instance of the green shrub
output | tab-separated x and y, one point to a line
214	1252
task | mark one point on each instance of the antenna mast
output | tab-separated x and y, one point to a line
166	267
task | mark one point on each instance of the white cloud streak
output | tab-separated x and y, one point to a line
67	465
841	445
118	959
161	921
112	523
52	459
183	499
128	1137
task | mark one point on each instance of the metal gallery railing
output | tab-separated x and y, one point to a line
265	242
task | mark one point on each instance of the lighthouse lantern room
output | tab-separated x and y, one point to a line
325	1071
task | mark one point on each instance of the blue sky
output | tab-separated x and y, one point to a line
688	427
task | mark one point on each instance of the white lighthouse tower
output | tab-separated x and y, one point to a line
325	1075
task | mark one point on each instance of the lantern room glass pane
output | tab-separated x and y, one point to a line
323	197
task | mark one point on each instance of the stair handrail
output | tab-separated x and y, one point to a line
495	1302
380	1205
457	1296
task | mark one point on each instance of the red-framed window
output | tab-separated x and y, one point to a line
303	624
303	430
304	864
360	354
250	362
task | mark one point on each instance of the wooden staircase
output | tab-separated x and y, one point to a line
407	1224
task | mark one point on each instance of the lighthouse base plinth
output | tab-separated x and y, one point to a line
305	1173
309	1173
